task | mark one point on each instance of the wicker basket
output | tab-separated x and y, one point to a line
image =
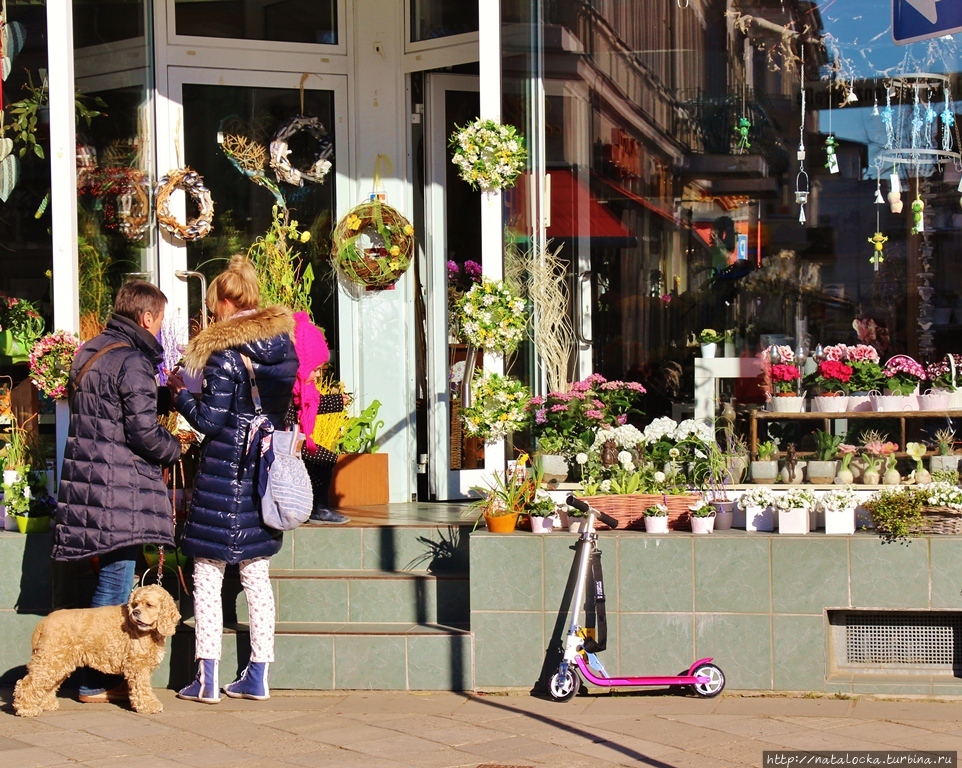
941	520
629	509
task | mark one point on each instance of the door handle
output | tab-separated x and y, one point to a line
579	324
183	274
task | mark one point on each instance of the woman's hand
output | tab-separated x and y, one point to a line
175	383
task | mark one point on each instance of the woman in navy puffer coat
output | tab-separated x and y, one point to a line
224	522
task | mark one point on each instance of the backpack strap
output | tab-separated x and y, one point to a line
255	392
93	359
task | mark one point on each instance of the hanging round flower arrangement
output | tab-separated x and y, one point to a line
280	152
50	361
492	317
193	184
489	155
373	245
497	407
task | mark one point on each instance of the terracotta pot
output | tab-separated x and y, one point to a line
501	523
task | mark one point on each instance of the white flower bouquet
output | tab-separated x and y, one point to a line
838	499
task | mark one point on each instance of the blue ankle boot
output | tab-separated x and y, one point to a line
252	684
204	688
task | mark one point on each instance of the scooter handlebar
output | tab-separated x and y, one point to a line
583	507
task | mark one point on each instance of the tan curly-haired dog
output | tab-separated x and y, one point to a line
127	640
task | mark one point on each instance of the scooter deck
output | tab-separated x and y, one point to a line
612	682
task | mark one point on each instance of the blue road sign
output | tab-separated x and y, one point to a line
741	247
923	19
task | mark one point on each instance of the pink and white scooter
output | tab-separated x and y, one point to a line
703	677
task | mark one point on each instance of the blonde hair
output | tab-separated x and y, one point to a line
237	284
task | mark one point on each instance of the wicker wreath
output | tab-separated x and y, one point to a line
193	184
373	245
280	152
133	209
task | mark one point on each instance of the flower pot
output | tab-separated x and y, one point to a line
830	403
895	403
737	469
501	523
822	472
788	404
759	519
891	477
577	525
702	524
859	402
656	524
793	521
541	524
934	401
724	514
922	476
764	472
709	350
955	400
937	463
554	466
797	477
844	477
871	477
839	522
33	524
9	521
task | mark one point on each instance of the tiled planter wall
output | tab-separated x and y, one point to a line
756	602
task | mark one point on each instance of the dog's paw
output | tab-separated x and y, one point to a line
148	707
23	711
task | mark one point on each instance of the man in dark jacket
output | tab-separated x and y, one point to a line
113	498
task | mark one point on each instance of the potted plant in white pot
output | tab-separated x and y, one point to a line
823	468
917	451
702	516
794	507
765	467
541	510
838	507
708	340
656	518
756	506
944	458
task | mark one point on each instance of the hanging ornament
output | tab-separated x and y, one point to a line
887	115
917	224
879	200
895	193
852	96
831	159
742	130
801	194
878	241
801	180
875	105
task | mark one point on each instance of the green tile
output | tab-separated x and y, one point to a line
312	600
655	573
440	663
327	548
799	653
453	601
508	648
370	662
892	689
809	574
559	556
655	643
948	688
439	549
946	565
389	600
26	573
506	572
732	574
740	645
15	633
285	558
303	662
889	575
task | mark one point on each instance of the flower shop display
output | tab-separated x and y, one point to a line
756	504
823	468
902	377
875	452
492	317
373	245
838	508
831	378
50	361
541	508
20	327
917	452
656	518
794	508
461	278
764	469
866	372
280	152
193	184
702	516
908	511
845	476
508	495
26	498
944	458
489	155
284	275
498	406
793	468
708	340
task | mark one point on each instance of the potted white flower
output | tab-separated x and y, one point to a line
794	507
541	510
756	506
838	506
709	339
702	516
656	518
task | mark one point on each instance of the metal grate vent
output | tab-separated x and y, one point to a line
898	638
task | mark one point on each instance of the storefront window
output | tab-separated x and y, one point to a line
287	21
431	19
671	140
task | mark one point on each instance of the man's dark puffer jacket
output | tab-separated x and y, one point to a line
112	492
224	522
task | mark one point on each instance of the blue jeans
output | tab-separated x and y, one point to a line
114	583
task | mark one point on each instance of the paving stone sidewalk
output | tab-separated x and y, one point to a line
441	730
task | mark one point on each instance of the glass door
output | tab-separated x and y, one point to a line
221	124
453	248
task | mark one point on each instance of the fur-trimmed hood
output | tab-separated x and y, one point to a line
240	331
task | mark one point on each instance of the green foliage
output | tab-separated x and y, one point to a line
826	445
950	476
95	294
897	513
27	495
360	432
767	450
282	273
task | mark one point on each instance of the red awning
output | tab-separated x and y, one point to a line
575	212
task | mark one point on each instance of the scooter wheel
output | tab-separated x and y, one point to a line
715	684
563	686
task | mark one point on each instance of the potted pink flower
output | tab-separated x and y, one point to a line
902	376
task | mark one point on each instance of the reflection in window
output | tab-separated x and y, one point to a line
285	21
431	19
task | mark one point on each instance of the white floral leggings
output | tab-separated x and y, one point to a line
209	610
